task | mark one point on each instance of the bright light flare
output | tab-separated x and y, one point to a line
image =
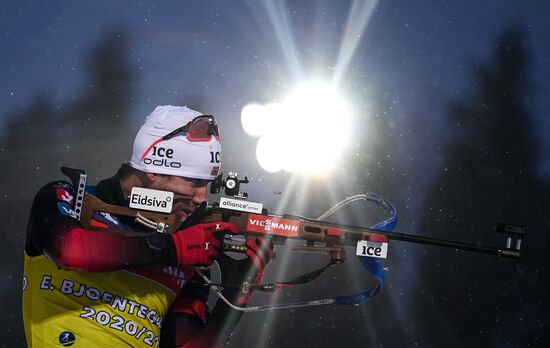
305	133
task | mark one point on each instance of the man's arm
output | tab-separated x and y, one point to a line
53	231
185	330
187	327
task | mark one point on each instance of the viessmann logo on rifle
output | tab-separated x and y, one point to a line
154	200
272	225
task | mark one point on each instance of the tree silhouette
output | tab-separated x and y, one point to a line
108	96
488	176
83	133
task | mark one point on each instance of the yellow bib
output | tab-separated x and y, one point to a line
82	309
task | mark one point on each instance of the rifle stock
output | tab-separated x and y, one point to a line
280	228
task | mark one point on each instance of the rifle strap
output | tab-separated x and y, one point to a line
303	279
276	286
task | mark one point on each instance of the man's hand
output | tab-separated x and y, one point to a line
199	245
251	269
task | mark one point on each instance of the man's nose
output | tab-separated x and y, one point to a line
199	195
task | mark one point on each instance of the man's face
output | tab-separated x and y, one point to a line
188	193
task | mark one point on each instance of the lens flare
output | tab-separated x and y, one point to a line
305	133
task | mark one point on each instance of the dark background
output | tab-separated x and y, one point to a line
451	121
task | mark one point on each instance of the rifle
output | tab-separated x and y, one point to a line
371	243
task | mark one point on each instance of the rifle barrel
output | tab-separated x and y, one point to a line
359	232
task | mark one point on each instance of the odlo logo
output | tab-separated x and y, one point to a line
165	160
66	338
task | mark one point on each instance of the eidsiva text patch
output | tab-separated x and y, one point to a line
154	200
